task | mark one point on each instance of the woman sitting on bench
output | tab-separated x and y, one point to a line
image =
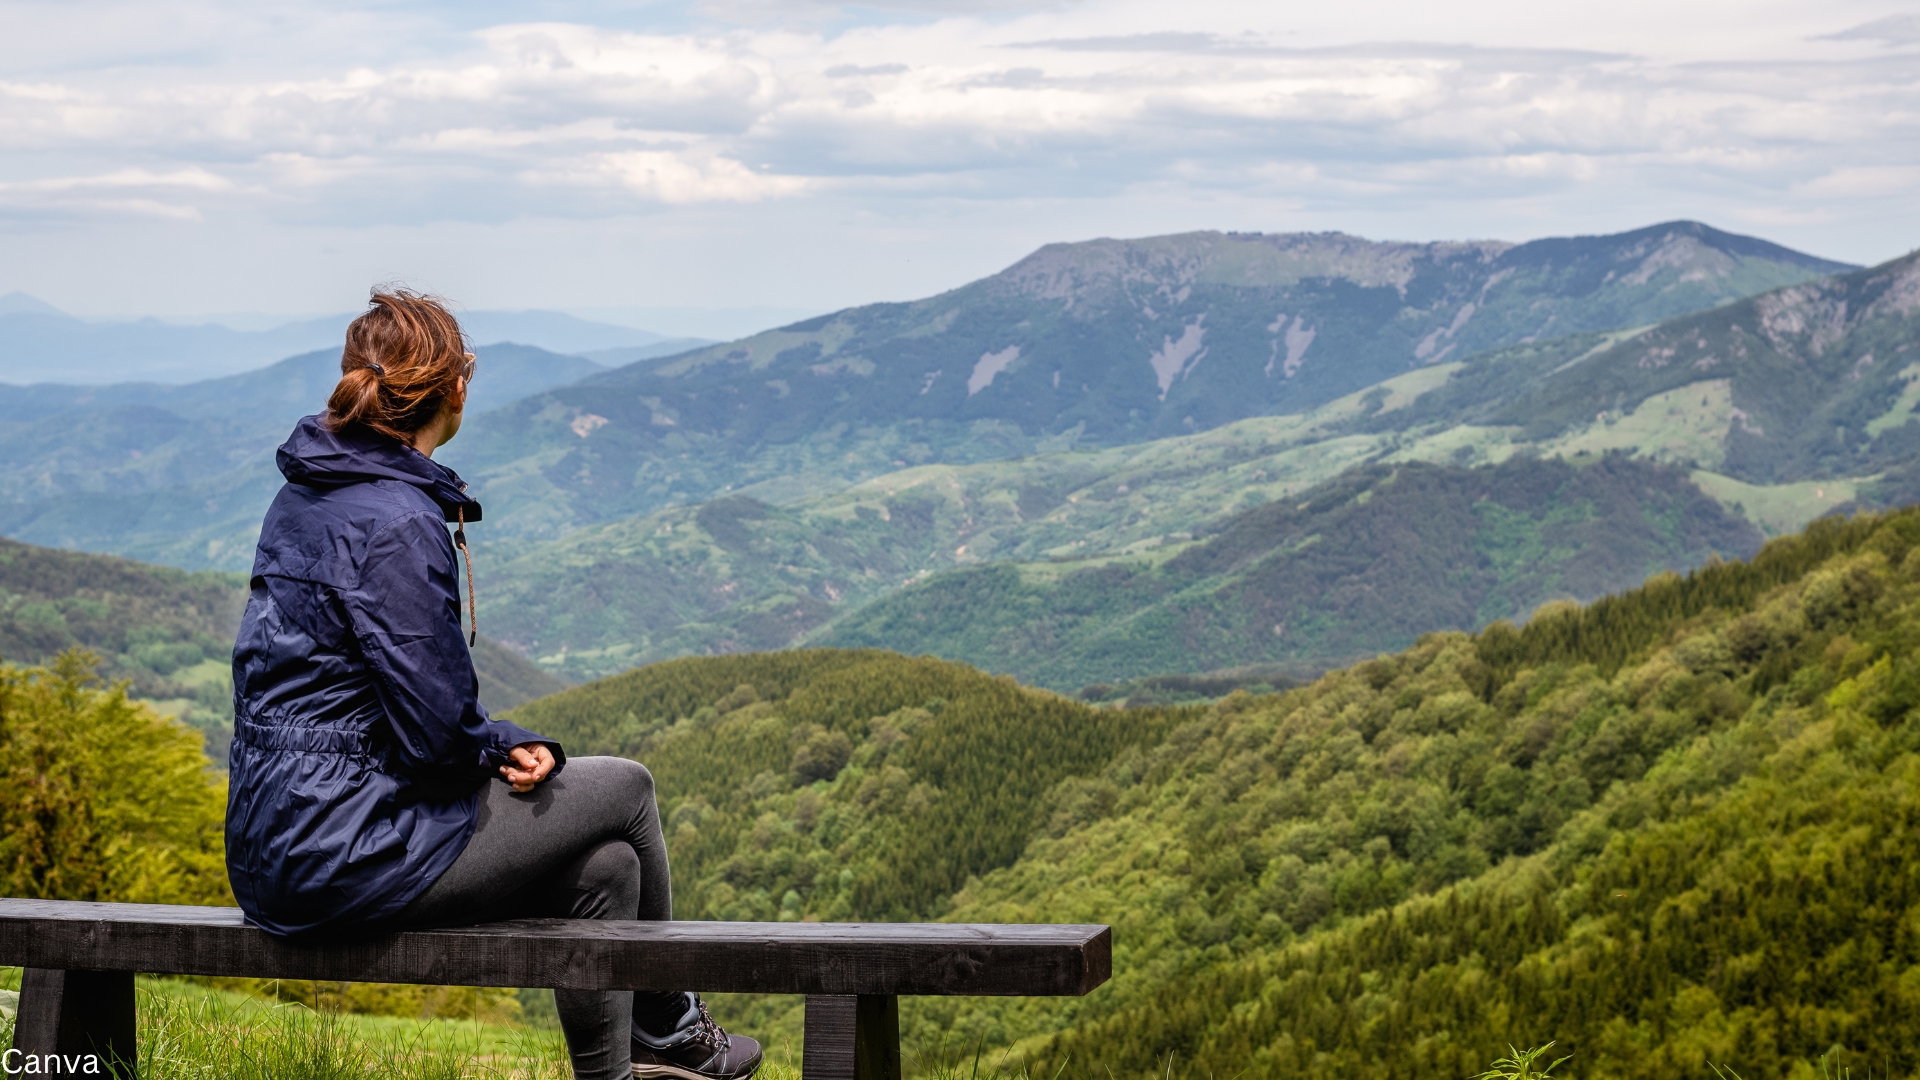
370	791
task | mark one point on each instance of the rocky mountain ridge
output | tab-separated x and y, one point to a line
1078	346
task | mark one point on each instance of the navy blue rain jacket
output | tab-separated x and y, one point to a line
359	742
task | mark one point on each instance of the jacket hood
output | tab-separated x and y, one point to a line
316	456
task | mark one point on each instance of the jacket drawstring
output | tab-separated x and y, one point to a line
473	606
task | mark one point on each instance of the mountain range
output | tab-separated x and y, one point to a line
1077	346
763	493
1023	537
182	474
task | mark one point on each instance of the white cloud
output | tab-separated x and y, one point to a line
193	179
310	115
673	176
954	96
136	192
1892	30
1866	181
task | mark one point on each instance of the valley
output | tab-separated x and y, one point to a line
738	573
182	474
829	483
1361	565
1658	828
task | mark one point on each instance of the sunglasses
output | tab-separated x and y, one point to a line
466	373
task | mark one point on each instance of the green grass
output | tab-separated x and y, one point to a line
191	1031
1779	509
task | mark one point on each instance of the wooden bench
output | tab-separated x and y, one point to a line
77	994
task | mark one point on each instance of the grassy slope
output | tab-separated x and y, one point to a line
1820	375
189	1030
1663	829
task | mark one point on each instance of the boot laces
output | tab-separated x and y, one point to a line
706	1031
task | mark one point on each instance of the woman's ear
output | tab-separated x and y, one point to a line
455	411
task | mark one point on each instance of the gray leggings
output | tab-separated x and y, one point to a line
585	844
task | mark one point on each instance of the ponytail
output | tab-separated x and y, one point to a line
402	363
356	400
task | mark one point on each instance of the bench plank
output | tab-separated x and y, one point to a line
80	957
881	959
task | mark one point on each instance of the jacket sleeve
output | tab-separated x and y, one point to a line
405	614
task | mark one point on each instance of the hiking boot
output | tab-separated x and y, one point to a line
696	1049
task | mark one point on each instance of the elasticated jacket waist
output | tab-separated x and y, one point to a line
312	740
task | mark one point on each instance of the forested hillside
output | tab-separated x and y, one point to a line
169	632
1360	565
1084	345
1058	558
1665	829
838	784
1694	798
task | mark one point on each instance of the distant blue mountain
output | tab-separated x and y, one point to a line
40	343
273	397
182	474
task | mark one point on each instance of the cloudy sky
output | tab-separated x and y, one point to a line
187	157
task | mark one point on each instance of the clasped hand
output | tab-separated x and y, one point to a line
529	764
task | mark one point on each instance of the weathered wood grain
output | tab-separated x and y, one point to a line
771	958
851	1038
827	1044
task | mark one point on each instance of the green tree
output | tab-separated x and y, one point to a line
101	798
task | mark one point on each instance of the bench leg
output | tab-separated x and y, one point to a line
73	1014
851	1038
